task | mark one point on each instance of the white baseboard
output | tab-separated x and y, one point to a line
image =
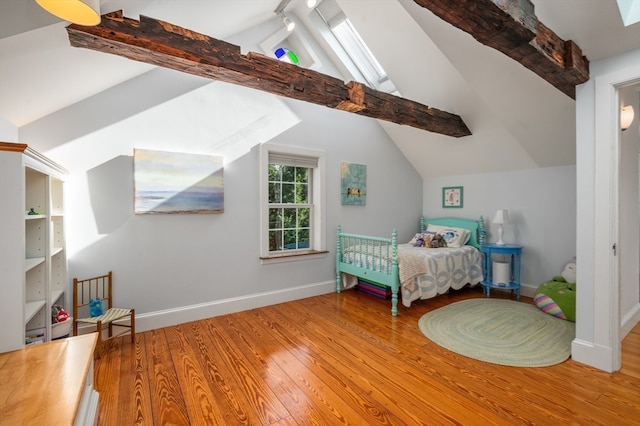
629	320
179	315
174	316
525	290
528	291
594	355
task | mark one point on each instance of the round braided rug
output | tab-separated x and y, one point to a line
500	331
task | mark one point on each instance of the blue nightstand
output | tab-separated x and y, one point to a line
515	253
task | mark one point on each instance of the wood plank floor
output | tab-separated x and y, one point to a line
342	359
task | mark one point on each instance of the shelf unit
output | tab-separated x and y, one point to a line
33	259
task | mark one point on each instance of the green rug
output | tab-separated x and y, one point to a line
500	331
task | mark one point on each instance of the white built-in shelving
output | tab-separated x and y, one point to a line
33	257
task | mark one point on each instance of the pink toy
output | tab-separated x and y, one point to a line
62	315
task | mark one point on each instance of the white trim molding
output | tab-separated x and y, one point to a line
629	321
601	357
182	314
598	327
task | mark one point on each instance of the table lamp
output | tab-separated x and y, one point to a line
501	217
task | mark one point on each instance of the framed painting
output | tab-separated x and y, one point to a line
353	182
170	182
452	197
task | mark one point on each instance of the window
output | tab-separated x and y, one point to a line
352	49
292	208
359	52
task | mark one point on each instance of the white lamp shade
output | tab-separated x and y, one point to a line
81	12
288	23
502	216
626	117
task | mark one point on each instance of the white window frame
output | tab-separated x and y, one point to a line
317	235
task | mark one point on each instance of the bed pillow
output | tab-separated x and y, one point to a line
455	237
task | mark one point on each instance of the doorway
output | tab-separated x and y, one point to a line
629	211
599	176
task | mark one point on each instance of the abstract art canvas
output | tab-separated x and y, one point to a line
354	184
170	182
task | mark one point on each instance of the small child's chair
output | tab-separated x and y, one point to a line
92	304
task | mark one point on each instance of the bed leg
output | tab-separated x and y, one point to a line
338	260
394	304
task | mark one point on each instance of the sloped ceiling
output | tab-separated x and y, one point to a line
518	120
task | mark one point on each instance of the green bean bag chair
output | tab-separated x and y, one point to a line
558	298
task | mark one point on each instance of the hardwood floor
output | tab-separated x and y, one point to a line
342	359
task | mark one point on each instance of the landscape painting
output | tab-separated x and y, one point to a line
170	182
353	179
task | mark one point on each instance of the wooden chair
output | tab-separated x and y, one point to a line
100	287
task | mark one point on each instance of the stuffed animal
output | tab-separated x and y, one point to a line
423	240
569	271
62	315
438	241
58	314
95	307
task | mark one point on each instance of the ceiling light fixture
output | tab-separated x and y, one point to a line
287	22
280	12
81	12
626	117
311	3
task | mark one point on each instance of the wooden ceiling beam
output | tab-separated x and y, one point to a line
163	44
512	27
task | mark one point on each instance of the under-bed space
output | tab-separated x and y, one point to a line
411	271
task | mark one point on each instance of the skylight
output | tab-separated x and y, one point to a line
352	49
358	51
629	11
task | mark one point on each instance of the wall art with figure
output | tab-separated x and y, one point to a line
353	184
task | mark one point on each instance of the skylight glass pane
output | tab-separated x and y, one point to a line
629	11
359	52
351	48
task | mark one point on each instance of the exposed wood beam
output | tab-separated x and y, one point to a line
512	27
163	44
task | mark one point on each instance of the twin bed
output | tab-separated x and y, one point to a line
414	271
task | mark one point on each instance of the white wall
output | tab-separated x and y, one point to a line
8	132
542	208
165	262
209	264
175	268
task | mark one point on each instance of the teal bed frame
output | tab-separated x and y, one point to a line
387	273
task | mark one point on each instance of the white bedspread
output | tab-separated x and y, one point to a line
424	272
427	272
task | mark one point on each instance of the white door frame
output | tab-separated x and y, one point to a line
606	282
598	322
607	219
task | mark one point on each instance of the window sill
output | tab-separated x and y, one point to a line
293	257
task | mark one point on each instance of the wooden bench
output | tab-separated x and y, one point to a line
50	383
